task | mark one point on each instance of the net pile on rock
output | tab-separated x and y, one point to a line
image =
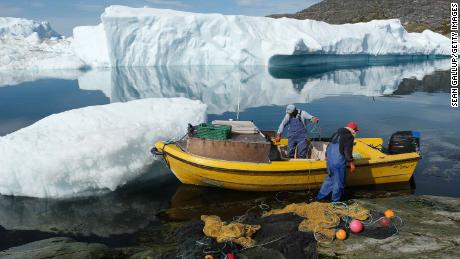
322	218
237	233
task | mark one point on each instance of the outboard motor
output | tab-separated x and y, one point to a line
404	142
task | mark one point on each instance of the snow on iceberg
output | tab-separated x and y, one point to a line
152	37
98	147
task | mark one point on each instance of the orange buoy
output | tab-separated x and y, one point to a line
389	213
341	234
209	257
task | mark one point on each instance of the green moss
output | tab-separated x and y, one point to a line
444	28
376	14
417	26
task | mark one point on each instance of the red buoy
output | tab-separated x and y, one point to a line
384	221
356	226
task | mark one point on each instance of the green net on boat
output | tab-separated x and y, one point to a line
215	132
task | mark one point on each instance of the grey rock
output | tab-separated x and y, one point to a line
58	247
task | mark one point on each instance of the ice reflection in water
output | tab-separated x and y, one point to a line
226	88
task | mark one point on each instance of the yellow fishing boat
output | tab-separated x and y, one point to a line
373	166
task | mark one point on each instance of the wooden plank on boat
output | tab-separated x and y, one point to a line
242	151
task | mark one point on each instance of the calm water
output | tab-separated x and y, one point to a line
382	99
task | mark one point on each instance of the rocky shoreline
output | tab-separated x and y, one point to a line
416	16
431	228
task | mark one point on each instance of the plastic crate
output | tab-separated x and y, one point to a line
215	132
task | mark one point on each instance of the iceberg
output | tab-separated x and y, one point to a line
90	149
19	27
90	45
159	37
232	88
34	53
32	45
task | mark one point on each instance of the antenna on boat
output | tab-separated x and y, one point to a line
238	105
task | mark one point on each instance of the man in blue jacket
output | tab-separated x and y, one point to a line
296	120
339	153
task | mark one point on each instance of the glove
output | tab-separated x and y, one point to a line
314	120
352	167
278	137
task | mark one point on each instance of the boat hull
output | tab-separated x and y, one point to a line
297	174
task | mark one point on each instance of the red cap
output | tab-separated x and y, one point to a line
352	125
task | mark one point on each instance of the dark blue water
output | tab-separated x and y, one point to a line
381	99
23	104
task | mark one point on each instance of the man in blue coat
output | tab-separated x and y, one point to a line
296	120
339	153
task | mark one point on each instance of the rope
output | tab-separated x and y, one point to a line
276	198
379	147
174	140
316	233
221	250
316	129
205	251
207	247
169	142
240	219
266	243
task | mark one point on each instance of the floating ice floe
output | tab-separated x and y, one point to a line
93	148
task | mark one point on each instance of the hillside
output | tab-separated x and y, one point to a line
415	15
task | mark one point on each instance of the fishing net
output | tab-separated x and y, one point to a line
291	232
376	227
237	233
322	218
278	237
